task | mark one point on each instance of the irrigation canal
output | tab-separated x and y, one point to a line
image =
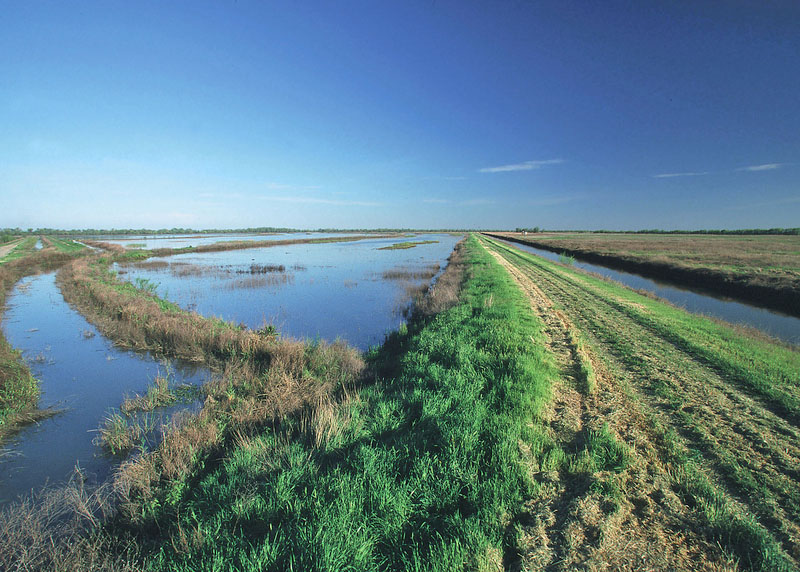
781	326
82	374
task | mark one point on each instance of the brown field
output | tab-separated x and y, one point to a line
760	268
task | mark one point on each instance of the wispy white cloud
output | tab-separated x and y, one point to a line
435	201
687	174
764	167
525	166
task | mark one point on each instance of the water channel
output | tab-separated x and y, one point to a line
781	326
349	290
82	374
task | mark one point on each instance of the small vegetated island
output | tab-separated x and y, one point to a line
529	416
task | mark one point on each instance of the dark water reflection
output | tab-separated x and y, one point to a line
80	372
781	326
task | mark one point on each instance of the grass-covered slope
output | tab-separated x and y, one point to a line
710	414
425	469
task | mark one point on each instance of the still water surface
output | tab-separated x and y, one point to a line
82	373
781	326
182	240
328	291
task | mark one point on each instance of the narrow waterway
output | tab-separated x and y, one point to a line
82	374
781	326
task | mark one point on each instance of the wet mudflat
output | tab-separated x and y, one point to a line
781	326
82	374
353	291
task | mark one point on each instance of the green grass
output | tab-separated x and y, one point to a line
24	248
67	245
766	370
424	470
19	390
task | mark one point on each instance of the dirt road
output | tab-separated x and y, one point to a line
712	469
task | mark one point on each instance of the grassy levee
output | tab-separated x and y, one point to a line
419	462
62	245
763	270
24	248
420	470
136	318
406	245
768	370
717	407
19	390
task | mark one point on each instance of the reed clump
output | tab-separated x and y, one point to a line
159	394
59	529
138	319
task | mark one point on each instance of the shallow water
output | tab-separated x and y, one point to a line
82	373
328	291
183	240
776	324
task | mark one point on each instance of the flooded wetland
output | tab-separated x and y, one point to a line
353	291
284	382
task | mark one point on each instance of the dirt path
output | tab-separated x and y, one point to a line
572	525
7	248
668	405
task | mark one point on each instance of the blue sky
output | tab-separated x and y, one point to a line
428	114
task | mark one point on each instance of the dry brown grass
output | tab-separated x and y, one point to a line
304	380
404	273
58	529
244	244
444	292
263	281
139	322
